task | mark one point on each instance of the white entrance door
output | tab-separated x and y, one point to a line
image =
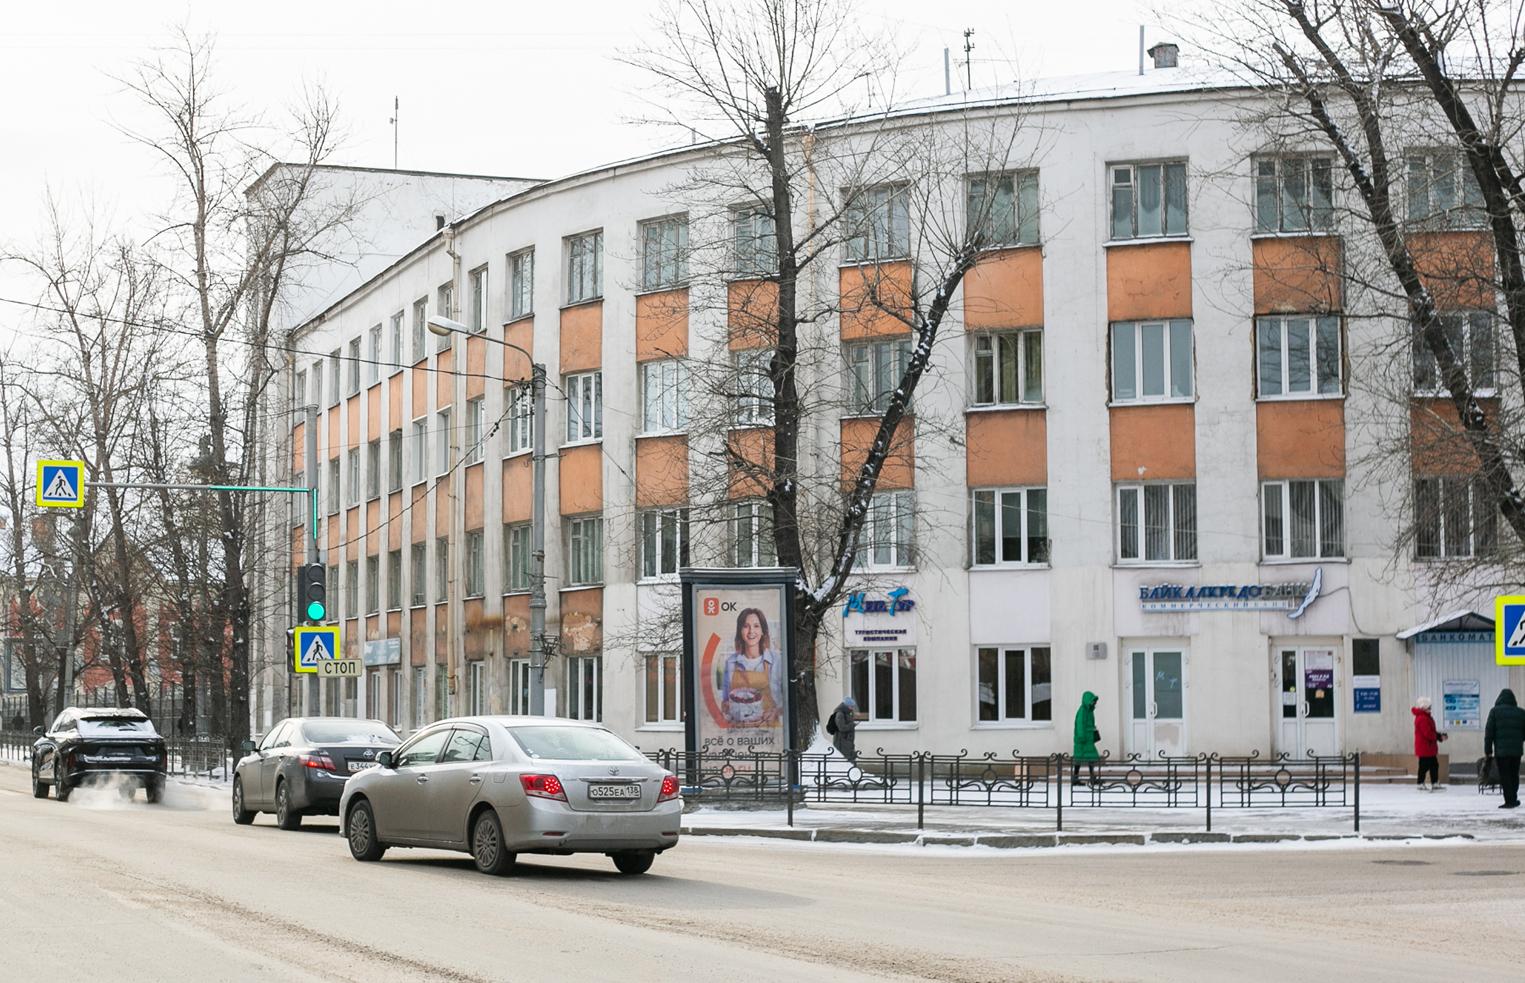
1157	701
1306	684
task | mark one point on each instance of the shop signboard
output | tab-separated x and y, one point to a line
738	659
1293	598
873	619
383	652
1460	700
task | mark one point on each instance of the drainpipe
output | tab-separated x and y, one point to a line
455	607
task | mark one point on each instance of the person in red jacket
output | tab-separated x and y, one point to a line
1427	745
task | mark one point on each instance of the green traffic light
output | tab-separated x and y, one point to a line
315	611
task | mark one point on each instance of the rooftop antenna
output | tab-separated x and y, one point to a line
947	73
396	114
968	62
1141	49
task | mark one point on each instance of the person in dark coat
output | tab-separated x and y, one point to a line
843	729
1426	745
1086	736
1504	741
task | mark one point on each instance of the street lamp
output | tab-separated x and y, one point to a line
444	327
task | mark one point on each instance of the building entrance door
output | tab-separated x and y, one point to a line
1306	684
1157	702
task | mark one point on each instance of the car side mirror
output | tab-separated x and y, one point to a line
384	759
37	731
246	746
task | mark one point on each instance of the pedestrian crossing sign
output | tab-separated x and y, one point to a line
1509	630
60	484
313	644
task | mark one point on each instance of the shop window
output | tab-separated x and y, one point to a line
884	684
1014	684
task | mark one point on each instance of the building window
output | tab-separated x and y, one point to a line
475	574
1151	361
874	371
884	683
445	304
585	267
755	241
1470	337
664	541
1009	525
885	540
394	461
664	396
394	698
1442	190
443	463
1298	356
478	284
334	382
584	699
333	486
1008	368
664	699
877	223
394	580
516	558
298	394
373	363
754	387
419	574
372	585
420	328
1303	520
354	476
1004	207
521	284
476	699
1148	200
420	449
1293	194
333	583
1454	517
475	430
664	252
299	503
352	589
373	470
1014	684
585	551
397	349
585	406
521	418
1156	523
354	366
752	542
519	686
420	702
317	384
441	569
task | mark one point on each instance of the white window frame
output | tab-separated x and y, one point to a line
987	355
866	698
1481	537
298	394
352	464
1467	210
476	564
420	468
442	417
584	388
520	402
754	387
585	550
519	674
1027	655
476	421
372	584
317	384
874	370
354	367
754	242
476	688
664	396
1027	508
876	223
664	252
420	696
335	380
662	555
521	283
477	284
394	461
888	537
1011	215
1309	215
397	351
1276	506
441	569
1464	326
1175	502
517	562
372	470
585	266
1273	337
1137	330
662	707
579	669
444	299
373	364
394	580
418	587
1133	184
351	590
420	329
751	534
335	501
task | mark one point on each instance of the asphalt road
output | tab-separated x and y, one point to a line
95	889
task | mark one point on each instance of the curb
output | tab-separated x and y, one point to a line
1029	841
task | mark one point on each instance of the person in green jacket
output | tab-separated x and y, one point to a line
1086	736
1504	740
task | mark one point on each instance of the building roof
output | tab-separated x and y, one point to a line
1463	619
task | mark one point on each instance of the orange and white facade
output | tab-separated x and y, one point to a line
1147	452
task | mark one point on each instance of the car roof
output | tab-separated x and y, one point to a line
517	720
108	713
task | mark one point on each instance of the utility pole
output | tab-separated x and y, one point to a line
947	73
968	62
396	114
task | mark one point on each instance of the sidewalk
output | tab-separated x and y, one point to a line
1388	812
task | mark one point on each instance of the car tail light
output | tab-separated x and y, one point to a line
543	786
669	788
321	761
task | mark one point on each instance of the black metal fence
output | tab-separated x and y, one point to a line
211	758
926	779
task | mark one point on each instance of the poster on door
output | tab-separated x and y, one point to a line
1460	700
737	667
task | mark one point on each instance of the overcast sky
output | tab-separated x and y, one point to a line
524	89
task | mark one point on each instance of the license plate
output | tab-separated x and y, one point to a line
355	766
614	790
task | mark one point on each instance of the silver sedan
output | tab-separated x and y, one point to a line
497	787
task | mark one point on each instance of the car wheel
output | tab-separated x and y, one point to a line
154	792
363	844
241	816
285	816
633	862
39	787
487	845
62	788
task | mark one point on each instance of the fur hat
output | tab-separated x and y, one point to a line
1422	703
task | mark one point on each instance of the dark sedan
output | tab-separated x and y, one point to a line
300	767
92	744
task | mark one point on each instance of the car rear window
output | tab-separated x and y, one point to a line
348	732
573	743
110	726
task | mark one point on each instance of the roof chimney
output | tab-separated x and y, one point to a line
1164	54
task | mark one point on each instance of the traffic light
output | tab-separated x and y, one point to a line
312	602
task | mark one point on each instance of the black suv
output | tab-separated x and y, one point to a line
96	742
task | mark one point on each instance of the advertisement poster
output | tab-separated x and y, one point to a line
1368	693
1460	700
740	658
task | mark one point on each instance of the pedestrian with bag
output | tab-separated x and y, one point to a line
1504	741
842	725
1086	736
1427	746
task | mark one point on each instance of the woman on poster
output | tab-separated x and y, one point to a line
752	682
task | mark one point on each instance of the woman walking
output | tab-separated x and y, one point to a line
1426	745
1086	736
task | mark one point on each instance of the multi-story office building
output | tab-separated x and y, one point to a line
1138	466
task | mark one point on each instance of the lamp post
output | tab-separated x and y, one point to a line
444	327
